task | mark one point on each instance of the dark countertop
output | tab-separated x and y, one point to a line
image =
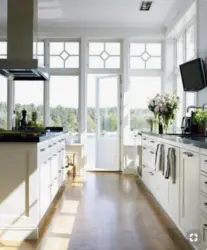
34	139
196	141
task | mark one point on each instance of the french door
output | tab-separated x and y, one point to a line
105	155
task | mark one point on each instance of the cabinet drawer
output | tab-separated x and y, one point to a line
203	204
204	163
203	184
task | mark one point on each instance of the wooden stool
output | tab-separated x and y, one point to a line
71	162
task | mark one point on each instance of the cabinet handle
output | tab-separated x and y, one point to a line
59	171
151	173
55	155
205	182
144	139
143	166
144	148
152	141
205	161
49	158
49	146
152	152
188	154
205	204
54	143
42	149
59	151
204	231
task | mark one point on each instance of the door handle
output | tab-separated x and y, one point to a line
188	154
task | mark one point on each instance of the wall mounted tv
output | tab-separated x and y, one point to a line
193	75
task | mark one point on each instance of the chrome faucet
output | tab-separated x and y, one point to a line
193	107
204	106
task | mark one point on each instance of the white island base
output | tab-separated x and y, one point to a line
31	175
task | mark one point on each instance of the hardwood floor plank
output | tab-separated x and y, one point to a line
107	211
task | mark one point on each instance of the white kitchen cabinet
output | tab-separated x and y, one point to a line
189	190
45	186
172	194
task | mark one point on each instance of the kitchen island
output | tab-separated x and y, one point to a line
182	191
31	174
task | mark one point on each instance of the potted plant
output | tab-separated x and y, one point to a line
200	118
164	108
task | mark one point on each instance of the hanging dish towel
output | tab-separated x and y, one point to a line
170	170
160	158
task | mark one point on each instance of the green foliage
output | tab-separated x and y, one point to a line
200	116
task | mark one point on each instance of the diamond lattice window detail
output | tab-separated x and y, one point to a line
145	55
104	55
64	55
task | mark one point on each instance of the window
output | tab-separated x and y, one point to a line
104	55
145	55
3	50
190	99
38	52
3	102
64	55
141	90
29	96
180	94
64	93
180	51
190	43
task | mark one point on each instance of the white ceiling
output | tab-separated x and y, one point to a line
99	12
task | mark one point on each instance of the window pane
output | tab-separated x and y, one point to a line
56	62
113	62
180	51
96	62
113	48
96	48
136	49
153	63
154	49
137	63
141	90
64	99
29	96
40	61
3	102
180	94
3	48
190	99
72	62
190	43
56	48
38	48
72	48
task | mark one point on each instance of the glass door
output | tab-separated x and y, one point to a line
107	123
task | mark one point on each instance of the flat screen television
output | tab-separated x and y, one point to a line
193	74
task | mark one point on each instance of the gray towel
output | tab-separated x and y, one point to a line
160	158
171	165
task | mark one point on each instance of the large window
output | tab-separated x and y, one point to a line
38	52
180	94
104	55
141	90
29	96
64	92
145	55
3	102
64	55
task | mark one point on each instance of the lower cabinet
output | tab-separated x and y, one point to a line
189	191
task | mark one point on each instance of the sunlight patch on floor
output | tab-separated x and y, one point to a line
55	243
63	224
69	207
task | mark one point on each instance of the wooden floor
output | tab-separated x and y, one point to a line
106	212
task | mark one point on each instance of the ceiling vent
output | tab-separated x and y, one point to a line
145	6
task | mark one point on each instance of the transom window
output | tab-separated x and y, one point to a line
38	52
3	50
104	55
64	54
145	55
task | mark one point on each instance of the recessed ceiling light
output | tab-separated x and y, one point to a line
145	6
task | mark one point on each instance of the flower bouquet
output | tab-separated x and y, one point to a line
164	108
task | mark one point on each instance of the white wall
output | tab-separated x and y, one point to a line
202	40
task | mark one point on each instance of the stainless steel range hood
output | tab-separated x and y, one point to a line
21	33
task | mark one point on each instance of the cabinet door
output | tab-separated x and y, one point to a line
162	190
45	181
173	189
189	194
54	174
